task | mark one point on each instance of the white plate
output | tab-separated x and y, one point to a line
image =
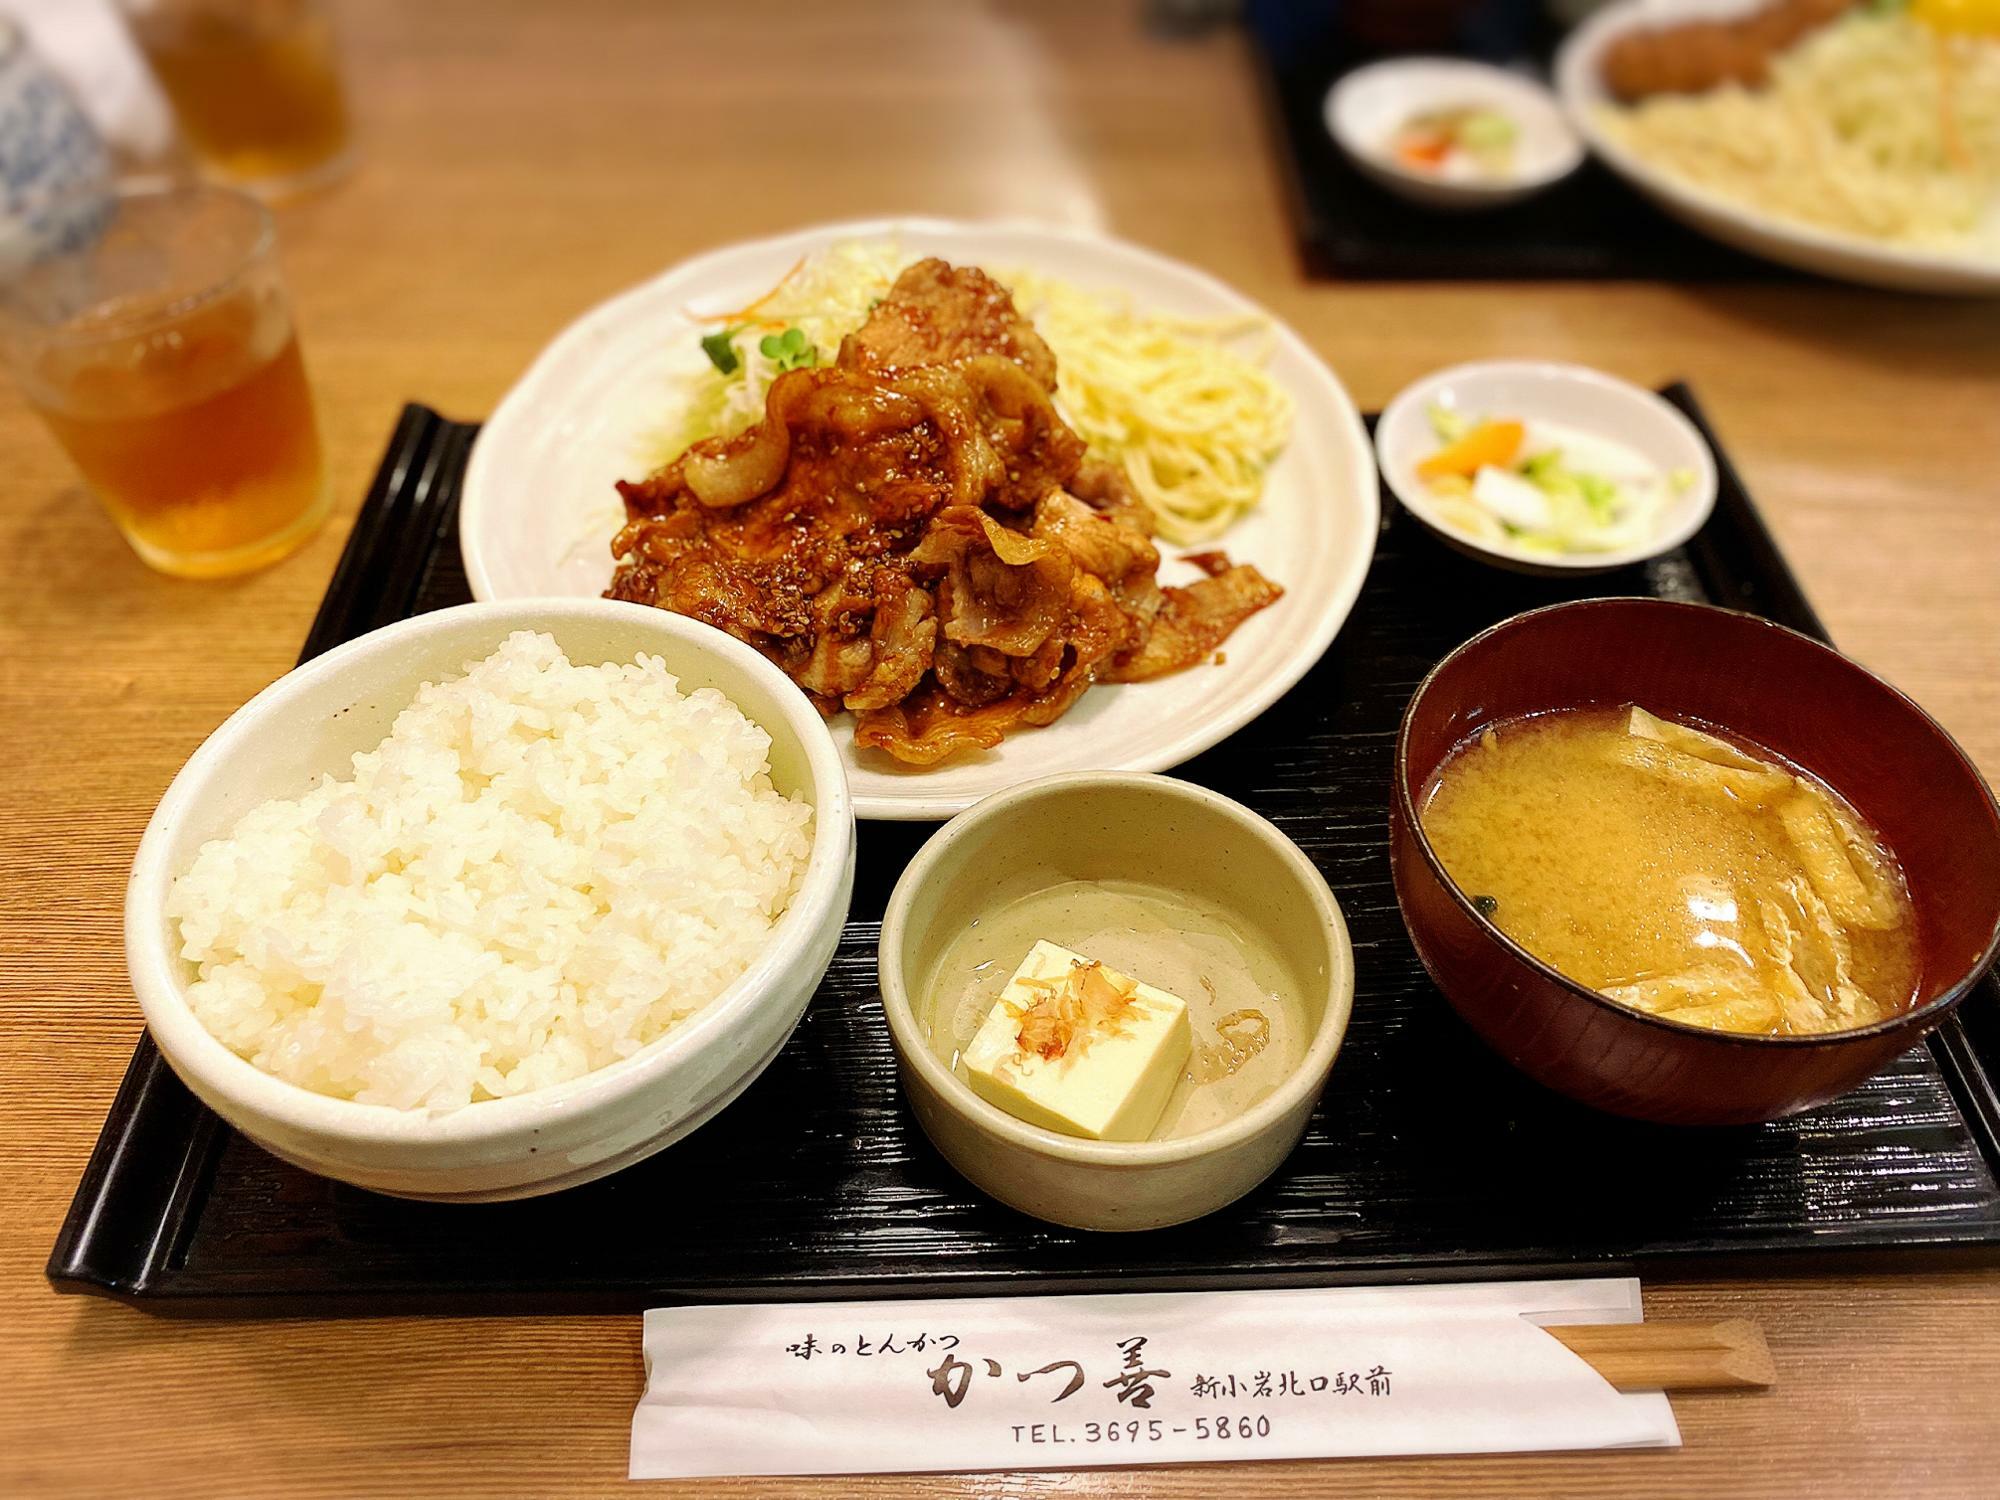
539	510
1365	108
1573	395
1580	83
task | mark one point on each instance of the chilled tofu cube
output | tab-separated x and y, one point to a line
1089	1073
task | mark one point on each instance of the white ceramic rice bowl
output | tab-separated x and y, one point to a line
311	721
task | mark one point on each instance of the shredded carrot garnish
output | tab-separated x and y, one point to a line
748	312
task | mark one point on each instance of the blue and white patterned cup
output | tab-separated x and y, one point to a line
50	153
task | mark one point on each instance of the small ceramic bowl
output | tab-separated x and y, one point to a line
311	721
1104	826
1575	396
1366	108
1804	700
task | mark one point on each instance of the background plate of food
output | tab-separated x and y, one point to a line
1006	500
1860	141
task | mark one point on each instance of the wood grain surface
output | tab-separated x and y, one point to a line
521	161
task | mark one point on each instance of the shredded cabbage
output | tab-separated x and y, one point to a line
826	296
1876	126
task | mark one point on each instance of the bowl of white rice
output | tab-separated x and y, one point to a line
495	900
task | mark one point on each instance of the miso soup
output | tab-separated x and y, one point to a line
1677	872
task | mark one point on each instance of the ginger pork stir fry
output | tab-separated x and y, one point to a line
915	535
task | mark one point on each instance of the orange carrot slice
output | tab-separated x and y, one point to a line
1423	150
1493	443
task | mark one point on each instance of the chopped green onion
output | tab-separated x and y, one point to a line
1484	129
1599	493
720	347
1543	465
1449	425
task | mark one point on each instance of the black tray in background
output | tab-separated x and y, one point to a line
1427	1159
1590	225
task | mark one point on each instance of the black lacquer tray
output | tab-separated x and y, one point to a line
1428	1158
1589	225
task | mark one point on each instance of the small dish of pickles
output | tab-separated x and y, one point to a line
1542	467
1452	134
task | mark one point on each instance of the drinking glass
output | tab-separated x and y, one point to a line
255	84
154	336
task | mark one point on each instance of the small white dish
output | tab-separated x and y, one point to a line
1574	396
310	722
1365	108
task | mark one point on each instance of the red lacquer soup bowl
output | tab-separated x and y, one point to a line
1812	706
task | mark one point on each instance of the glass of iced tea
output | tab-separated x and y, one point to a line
154	336
255	84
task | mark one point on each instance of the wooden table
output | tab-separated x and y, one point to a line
521	162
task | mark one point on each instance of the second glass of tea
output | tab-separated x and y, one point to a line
255	84
153	335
